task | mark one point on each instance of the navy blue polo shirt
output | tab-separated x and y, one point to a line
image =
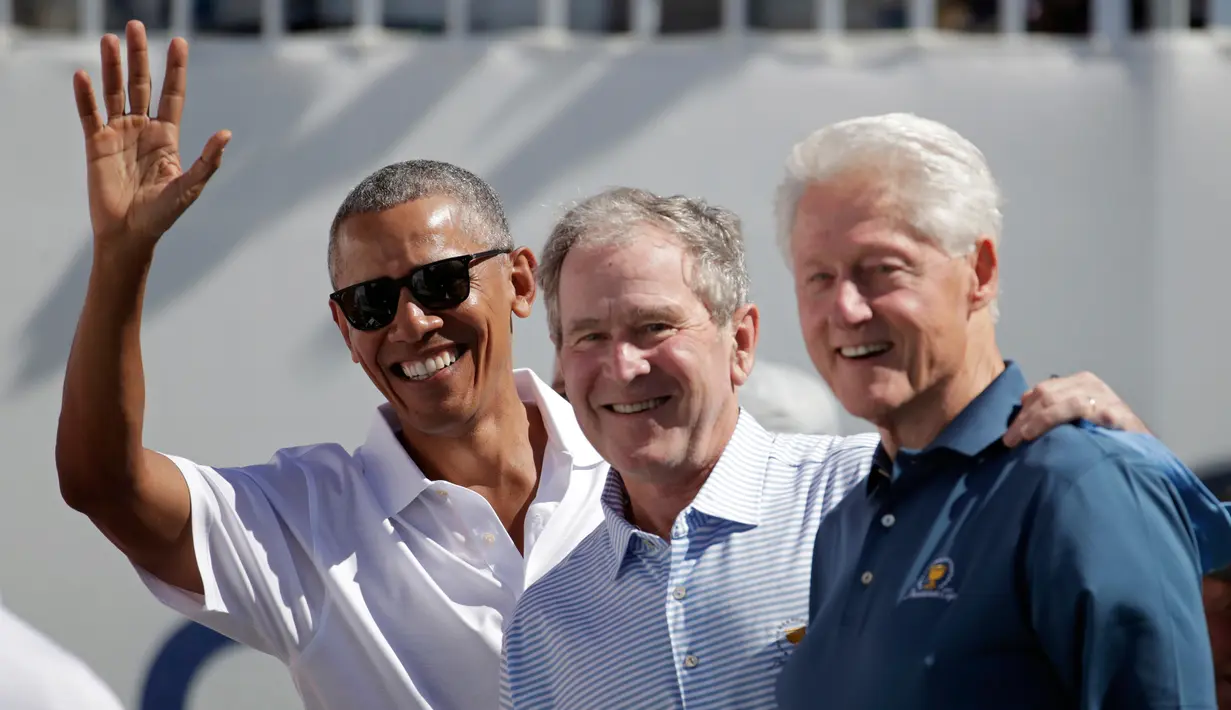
1062	573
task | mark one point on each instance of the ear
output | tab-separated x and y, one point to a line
344	327
522	277
745	329
986	267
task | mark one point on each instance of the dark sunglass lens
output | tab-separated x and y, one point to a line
371	305
444	284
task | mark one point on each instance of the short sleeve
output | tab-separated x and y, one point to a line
1210	518
251	562
1114	578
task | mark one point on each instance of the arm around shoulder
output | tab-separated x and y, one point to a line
1113	575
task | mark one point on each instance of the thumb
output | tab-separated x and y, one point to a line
191	183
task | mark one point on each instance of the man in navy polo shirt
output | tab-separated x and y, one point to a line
1061	573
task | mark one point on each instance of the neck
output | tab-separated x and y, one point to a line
655	499
919	422
499	457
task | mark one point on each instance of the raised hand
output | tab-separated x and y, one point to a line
137	185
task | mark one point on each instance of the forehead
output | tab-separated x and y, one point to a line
394	241
841	218
648	269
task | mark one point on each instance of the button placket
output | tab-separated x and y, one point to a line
679	592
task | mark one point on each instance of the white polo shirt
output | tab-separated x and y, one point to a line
377	587
37	674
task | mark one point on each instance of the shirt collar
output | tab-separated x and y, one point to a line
981	424
733	489
731	492
620	532
396	479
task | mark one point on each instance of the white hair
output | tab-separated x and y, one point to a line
939	181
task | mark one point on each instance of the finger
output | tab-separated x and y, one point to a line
191	183
138	70
1032	395
1017	432
87	106
1104	417
1029	426
1042	414
113	77
1116	415
174	83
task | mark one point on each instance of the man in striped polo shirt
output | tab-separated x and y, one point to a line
694	590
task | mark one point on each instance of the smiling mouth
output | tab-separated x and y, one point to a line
637	407
426	368
864	352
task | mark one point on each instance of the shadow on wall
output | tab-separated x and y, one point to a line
591	125
271	173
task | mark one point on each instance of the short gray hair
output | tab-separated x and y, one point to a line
939	180
710	235
482	214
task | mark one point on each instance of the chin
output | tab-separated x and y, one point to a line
444	419
645	463
871	406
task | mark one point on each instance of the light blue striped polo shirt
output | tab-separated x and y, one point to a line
629	620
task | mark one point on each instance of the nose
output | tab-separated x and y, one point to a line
410	323
628	362
850	306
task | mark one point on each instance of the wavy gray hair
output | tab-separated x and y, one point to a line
710	235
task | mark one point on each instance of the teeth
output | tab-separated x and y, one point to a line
863	350
638	406
423	369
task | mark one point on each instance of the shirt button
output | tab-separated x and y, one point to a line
866	578
888	520
442	493
691	661
489	538
679	593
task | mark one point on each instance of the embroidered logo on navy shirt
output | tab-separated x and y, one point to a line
787	635
935	580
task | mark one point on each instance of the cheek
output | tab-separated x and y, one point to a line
812	319
920	318
366	348
578	372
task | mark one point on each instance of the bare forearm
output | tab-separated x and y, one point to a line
99	448
137	190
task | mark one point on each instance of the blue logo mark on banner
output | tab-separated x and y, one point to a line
178	663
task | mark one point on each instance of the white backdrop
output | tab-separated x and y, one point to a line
1115	166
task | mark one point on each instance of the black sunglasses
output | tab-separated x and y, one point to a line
438	286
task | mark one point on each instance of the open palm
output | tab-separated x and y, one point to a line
137	185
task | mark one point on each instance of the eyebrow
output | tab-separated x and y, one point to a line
638	315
